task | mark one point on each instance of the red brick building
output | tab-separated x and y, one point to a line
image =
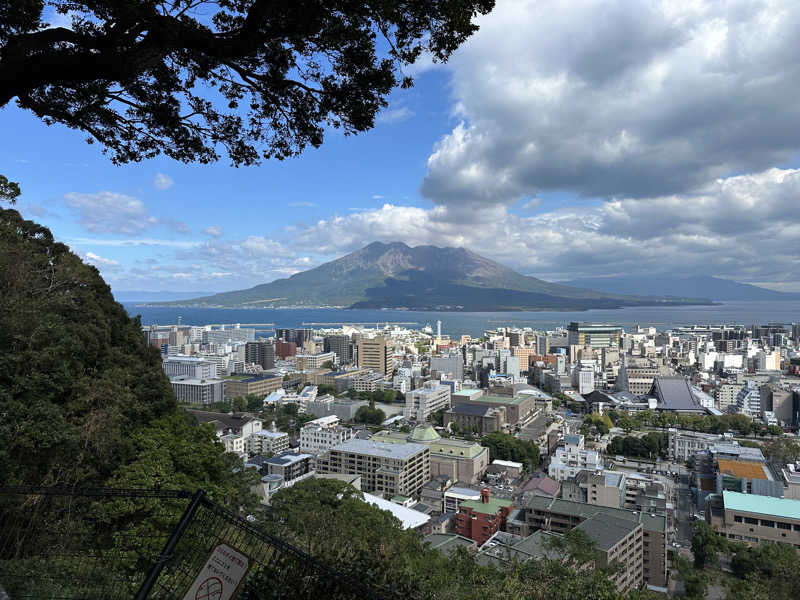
478	520
285	349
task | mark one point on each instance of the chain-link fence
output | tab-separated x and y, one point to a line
97	544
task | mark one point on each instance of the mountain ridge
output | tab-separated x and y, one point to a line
712	287
392	275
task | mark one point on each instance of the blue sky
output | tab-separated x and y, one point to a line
564	139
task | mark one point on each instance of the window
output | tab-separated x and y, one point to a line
767	523
782	525
751	521
737	518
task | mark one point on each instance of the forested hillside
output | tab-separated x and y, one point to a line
83	399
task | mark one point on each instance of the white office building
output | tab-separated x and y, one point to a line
748	401
420	403
198	391
189	366
320	435
574	457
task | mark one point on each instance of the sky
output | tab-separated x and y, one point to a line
564	139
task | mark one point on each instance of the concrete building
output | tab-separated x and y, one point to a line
374	353
560	516
452	366
327	405
726	395
572	458
479	520
458	460
393	469
261	352
341	346
291	466
267	442
684	445
320	435
190	367
638	379
198	391
475	417
755	519
424	401
312	362
748	401
594	335
227	335
517	408
257	386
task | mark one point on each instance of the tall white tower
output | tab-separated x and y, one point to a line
438	329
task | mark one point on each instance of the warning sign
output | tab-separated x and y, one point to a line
220	577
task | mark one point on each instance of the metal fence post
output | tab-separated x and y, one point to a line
169	547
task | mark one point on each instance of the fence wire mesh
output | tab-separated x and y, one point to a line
109	544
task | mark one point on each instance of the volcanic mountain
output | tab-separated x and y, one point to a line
395	275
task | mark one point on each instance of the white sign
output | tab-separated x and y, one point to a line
220	577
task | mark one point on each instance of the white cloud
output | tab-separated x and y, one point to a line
650	99
162	182
99	261
213	231
395	115
532	204
110	212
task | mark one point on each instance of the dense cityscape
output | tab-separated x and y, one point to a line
499	443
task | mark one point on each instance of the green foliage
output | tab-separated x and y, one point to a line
328	364
255	79
601	423
774	430
327	518
437	417
326	388
767	571
782	450
506	447
76	375
651	445
369	415
706	544
695	581
9	190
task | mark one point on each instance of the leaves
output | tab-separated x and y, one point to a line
9	190
253	80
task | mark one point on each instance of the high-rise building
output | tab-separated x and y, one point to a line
595	335
261	353
373	353
189	366
341	346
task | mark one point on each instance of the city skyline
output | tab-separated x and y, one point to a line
662	133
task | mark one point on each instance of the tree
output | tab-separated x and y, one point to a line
257	78
239	404
369	415
506	447
328	364
9	190
781	450
326	388
706	544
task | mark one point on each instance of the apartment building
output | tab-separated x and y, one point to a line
424	401
572	458
479	520
560	516
385	468
726	395
617	540
311	362
260	353
266	441
291	466
374	353
320	435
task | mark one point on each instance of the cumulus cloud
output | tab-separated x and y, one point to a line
162	182
653	99
99	261
213	230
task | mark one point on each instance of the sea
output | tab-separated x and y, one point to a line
475	323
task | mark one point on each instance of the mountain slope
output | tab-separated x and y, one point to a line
695	286
394	275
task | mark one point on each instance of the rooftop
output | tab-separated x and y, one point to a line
492	507
674	394
447	542
655	523
470	409
500	400
764	505
741	468
409	518
607	531
382	449
287	458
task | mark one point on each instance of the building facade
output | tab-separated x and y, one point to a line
257	386
320	435
198	391
479	520
374	353
424	401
